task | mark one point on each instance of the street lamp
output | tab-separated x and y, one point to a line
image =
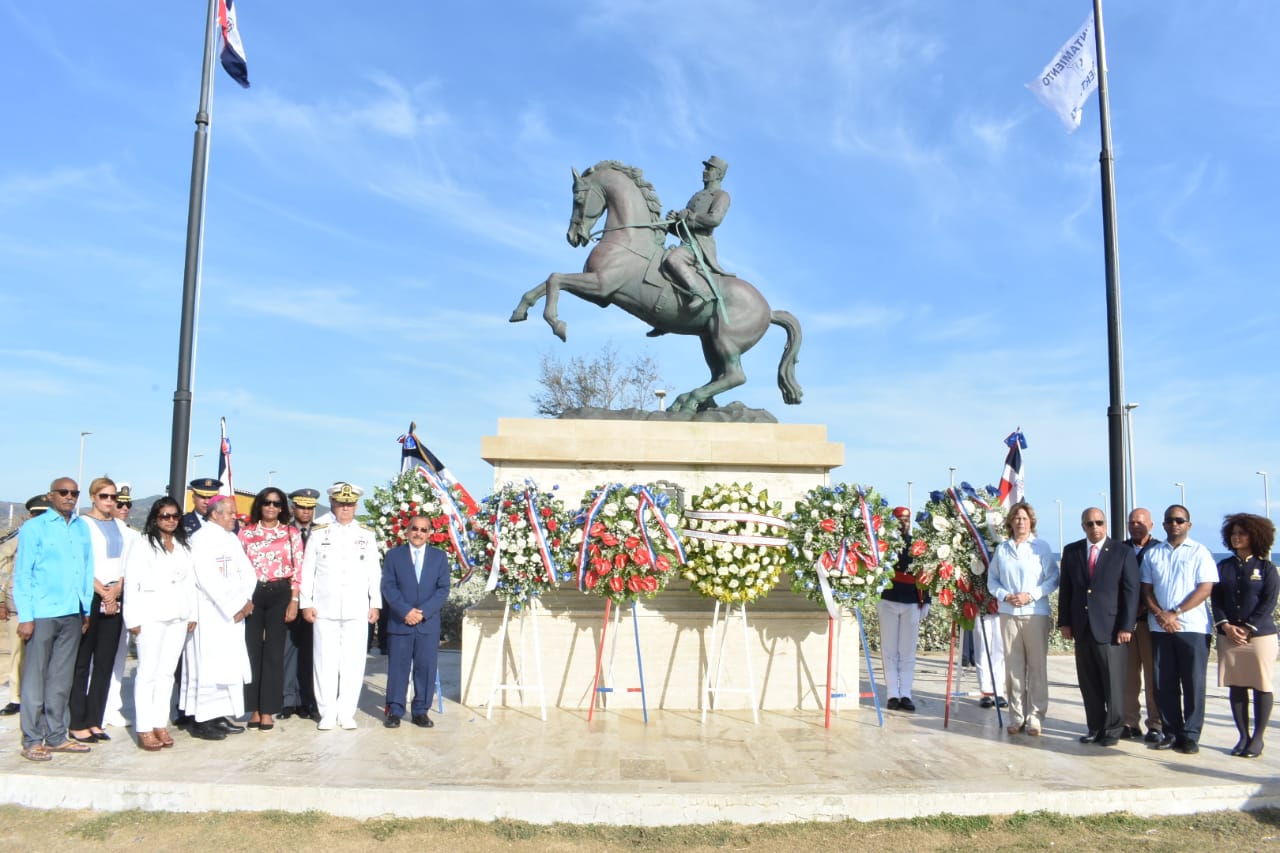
953	476
661	394
1266	498
80	473
271	474
1128	434
1182	501
1106	504
909	504
1059	500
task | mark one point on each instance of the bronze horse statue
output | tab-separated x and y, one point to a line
623	270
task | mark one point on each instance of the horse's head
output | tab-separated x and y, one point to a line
588	205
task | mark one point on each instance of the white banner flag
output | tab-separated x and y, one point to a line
1068	81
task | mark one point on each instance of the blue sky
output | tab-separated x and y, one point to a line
399	175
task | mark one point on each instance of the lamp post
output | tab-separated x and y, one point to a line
910	506
1266	498
1128	434
953	476
1059	500
1182	501
80	472
661	394
1106	504
271	474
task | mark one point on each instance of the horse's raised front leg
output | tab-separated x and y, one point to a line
527	301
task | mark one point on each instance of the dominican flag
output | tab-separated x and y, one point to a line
414	454
232	52
224	463
1012	487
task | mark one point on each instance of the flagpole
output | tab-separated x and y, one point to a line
1115	334
191	271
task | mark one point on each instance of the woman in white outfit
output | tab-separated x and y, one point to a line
160	611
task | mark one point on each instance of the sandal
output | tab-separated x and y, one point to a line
36	752
70	745
149	742
163	736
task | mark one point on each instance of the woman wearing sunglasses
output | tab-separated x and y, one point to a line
274	548
110	538
159	610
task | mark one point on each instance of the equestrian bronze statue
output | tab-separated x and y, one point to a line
681	290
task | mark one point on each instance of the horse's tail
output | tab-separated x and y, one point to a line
791	390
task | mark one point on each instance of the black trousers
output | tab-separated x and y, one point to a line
94	660
264	631
1101	669
1182	660
299	665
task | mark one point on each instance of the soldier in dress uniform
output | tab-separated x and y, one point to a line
9	610
341	577
299	693
201	490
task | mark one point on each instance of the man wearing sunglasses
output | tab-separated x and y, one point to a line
1177	577
52	588
1097	608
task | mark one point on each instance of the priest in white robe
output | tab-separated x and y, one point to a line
215	663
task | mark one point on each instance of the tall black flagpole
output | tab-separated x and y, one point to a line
1115	333
191	272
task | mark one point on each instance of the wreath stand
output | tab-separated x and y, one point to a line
716	664
978	625
503	638
597	689
833	696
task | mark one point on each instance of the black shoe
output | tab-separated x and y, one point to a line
312	713
422	720
287	712
90	738
1165	742
1254	749
391	722
1241	746
224	725
10	709
905	704
1106	740
1153	736
1001	702
986	702
893	704
184	721
1091	737
207	731
1188	747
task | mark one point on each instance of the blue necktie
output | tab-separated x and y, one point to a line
417	564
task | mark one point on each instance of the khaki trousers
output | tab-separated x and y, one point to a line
1026	663
1142	673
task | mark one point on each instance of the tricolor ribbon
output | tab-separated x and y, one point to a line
539	533
821	566
589	519
984	552
647	501
457	524
874	559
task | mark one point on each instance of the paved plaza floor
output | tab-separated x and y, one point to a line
675	769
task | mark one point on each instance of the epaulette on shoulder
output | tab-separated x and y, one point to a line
364	526
315	527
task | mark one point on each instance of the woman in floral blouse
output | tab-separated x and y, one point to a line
274	548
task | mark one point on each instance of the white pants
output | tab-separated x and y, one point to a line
159	646
899	633
987	631
341	646
115	698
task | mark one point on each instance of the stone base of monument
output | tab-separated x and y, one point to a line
787	636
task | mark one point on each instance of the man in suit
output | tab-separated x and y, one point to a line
1097	608
415	586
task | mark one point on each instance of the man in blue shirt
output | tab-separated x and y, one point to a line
52	589
1177	577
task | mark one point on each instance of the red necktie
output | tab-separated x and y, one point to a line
1093	559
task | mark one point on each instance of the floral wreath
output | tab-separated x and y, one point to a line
625	542
731	537
844	541
392	507
959	529
531	554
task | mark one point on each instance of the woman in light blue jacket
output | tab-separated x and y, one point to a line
1022	577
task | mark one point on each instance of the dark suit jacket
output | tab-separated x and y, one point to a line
1108	603
401	592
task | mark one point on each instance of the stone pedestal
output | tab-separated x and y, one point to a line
788	634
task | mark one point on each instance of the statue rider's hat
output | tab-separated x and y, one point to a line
716	163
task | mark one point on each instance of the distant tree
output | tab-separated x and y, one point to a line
602	381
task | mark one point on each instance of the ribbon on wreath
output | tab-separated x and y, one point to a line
457	524
539	532
822	566
736	538
588	519
873	543
494	565
647	501
979	542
